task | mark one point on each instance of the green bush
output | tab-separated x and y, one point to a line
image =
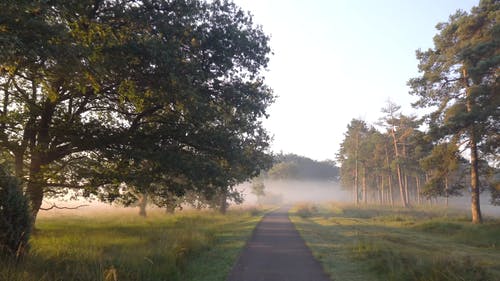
15	222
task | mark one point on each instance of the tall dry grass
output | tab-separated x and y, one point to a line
125	247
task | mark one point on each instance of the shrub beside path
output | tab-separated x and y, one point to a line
276	252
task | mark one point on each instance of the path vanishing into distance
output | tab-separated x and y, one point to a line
276	252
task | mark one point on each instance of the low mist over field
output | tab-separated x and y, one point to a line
293	191
277	192
463	202
293	179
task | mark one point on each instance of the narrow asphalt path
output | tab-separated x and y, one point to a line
276	252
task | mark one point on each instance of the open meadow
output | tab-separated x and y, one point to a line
121	246
375	243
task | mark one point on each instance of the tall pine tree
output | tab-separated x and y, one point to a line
460	79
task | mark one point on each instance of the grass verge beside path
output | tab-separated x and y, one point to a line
191	245
374	243
215	263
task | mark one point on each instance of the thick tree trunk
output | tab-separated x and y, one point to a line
19	164
142	203
170	209
34	190
223	202
171	204
39	146
35	195
474	169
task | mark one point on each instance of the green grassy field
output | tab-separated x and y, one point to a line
192	245
373	243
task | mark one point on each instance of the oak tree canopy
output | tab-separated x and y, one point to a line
96	94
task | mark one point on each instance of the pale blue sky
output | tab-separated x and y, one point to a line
337	60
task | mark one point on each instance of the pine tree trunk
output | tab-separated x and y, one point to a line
407	190
474	170
356	197
398	170
474	174
365	192
405	177
417	186
391	197
401	188
389	176
382	191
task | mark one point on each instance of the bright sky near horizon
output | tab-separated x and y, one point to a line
335	60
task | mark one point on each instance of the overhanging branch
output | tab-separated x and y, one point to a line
54	206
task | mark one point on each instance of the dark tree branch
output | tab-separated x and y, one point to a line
54	206
147	112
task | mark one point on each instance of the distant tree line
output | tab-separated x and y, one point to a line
292	166
459	83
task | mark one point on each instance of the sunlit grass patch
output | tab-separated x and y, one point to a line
160	247
377	243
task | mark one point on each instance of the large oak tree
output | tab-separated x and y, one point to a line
97	93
